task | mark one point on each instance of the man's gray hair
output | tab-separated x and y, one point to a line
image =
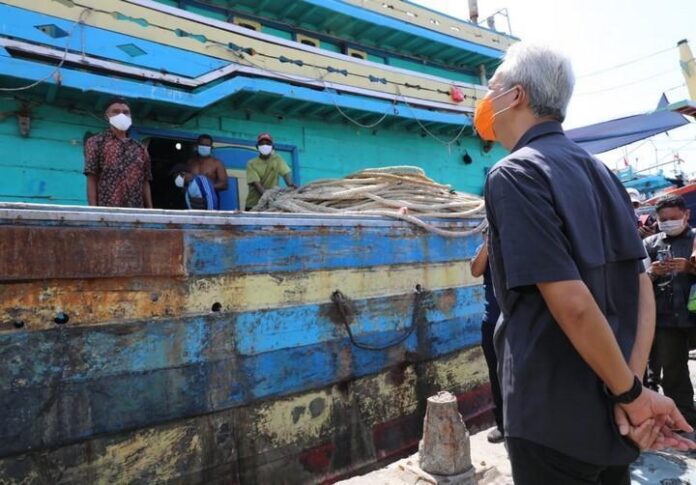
544	73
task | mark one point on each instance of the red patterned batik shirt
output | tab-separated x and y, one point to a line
122	166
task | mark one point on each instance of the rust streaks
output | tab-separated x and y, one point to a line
39	253
88	302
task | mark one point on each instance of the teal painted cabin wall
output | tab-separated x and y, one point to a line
46	166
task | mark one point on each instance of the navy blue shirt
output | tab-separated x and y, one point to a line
492	308
556	213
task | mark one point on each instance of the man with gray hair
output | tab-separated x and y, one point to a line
578	309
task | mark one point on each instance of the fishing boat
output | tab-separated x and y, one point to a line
164	345
608	135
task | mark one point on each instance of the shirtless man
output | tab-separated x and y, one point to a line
204	164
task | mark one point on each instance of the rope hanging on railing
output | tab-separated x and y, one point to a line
403	193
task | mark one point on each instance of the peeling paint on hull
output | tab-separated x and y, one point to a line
352	426
144	383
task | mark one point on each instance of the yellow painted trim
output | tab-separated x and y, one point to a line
465	371
153	452
166	452
103	301
415	15
262	291
381	398
101	17
242	185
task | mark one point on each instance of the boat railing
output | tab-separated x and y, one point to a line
25	212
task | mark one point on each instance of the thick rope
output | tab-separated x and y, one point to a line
403	193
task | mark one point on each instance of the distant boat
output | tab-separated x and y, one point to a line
609	135
688	191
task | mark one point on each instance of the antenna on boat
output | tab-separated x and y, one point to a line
473	11
688	66
657	159
490	20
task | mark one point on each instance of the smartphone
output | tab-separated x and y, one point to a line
664	255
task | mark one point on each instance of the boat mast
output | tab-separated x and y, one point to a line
688	65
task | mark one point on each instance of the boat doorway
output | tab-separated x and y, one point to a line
165	154
169	155
168	148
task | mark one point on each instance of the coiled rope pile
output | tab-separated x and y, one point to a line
403	193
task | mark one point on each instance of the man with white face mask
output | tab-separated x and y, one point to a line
117	167
263	171
204	178
673	274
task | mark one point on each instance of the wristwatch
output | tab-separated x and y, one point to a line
628	396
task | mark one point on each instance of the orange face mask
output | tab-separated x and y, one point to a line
484	116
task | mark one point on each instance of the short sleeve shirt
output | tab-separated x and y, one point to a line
122	166
556	213
672	292
266	172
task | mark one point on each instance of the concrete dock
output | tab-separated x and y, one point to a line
492	467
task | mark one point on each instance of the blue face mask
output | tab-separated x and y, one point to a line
204	150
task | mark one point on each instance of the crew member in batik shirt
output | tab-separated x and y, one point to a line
117	167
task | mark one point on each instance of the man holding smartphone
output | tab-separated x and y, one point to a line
672	275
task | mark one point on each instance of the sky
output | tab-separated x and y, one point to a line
601	35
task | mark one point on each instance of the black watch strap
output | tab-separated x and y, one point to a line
628	396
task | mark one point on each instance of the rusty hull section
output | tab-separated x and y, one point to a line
170	353
42	253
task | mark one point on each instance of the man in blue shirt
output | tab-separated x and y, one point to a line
578	311
480	267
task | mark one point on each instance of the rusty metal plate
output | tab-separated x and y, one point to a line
33	253
33	305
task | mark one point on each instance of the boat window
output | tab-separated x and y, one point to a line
52	30
310	41
248	24
356	53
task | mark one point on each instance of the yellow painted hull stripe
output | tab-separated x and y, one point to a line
100	301
380	399
262	291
